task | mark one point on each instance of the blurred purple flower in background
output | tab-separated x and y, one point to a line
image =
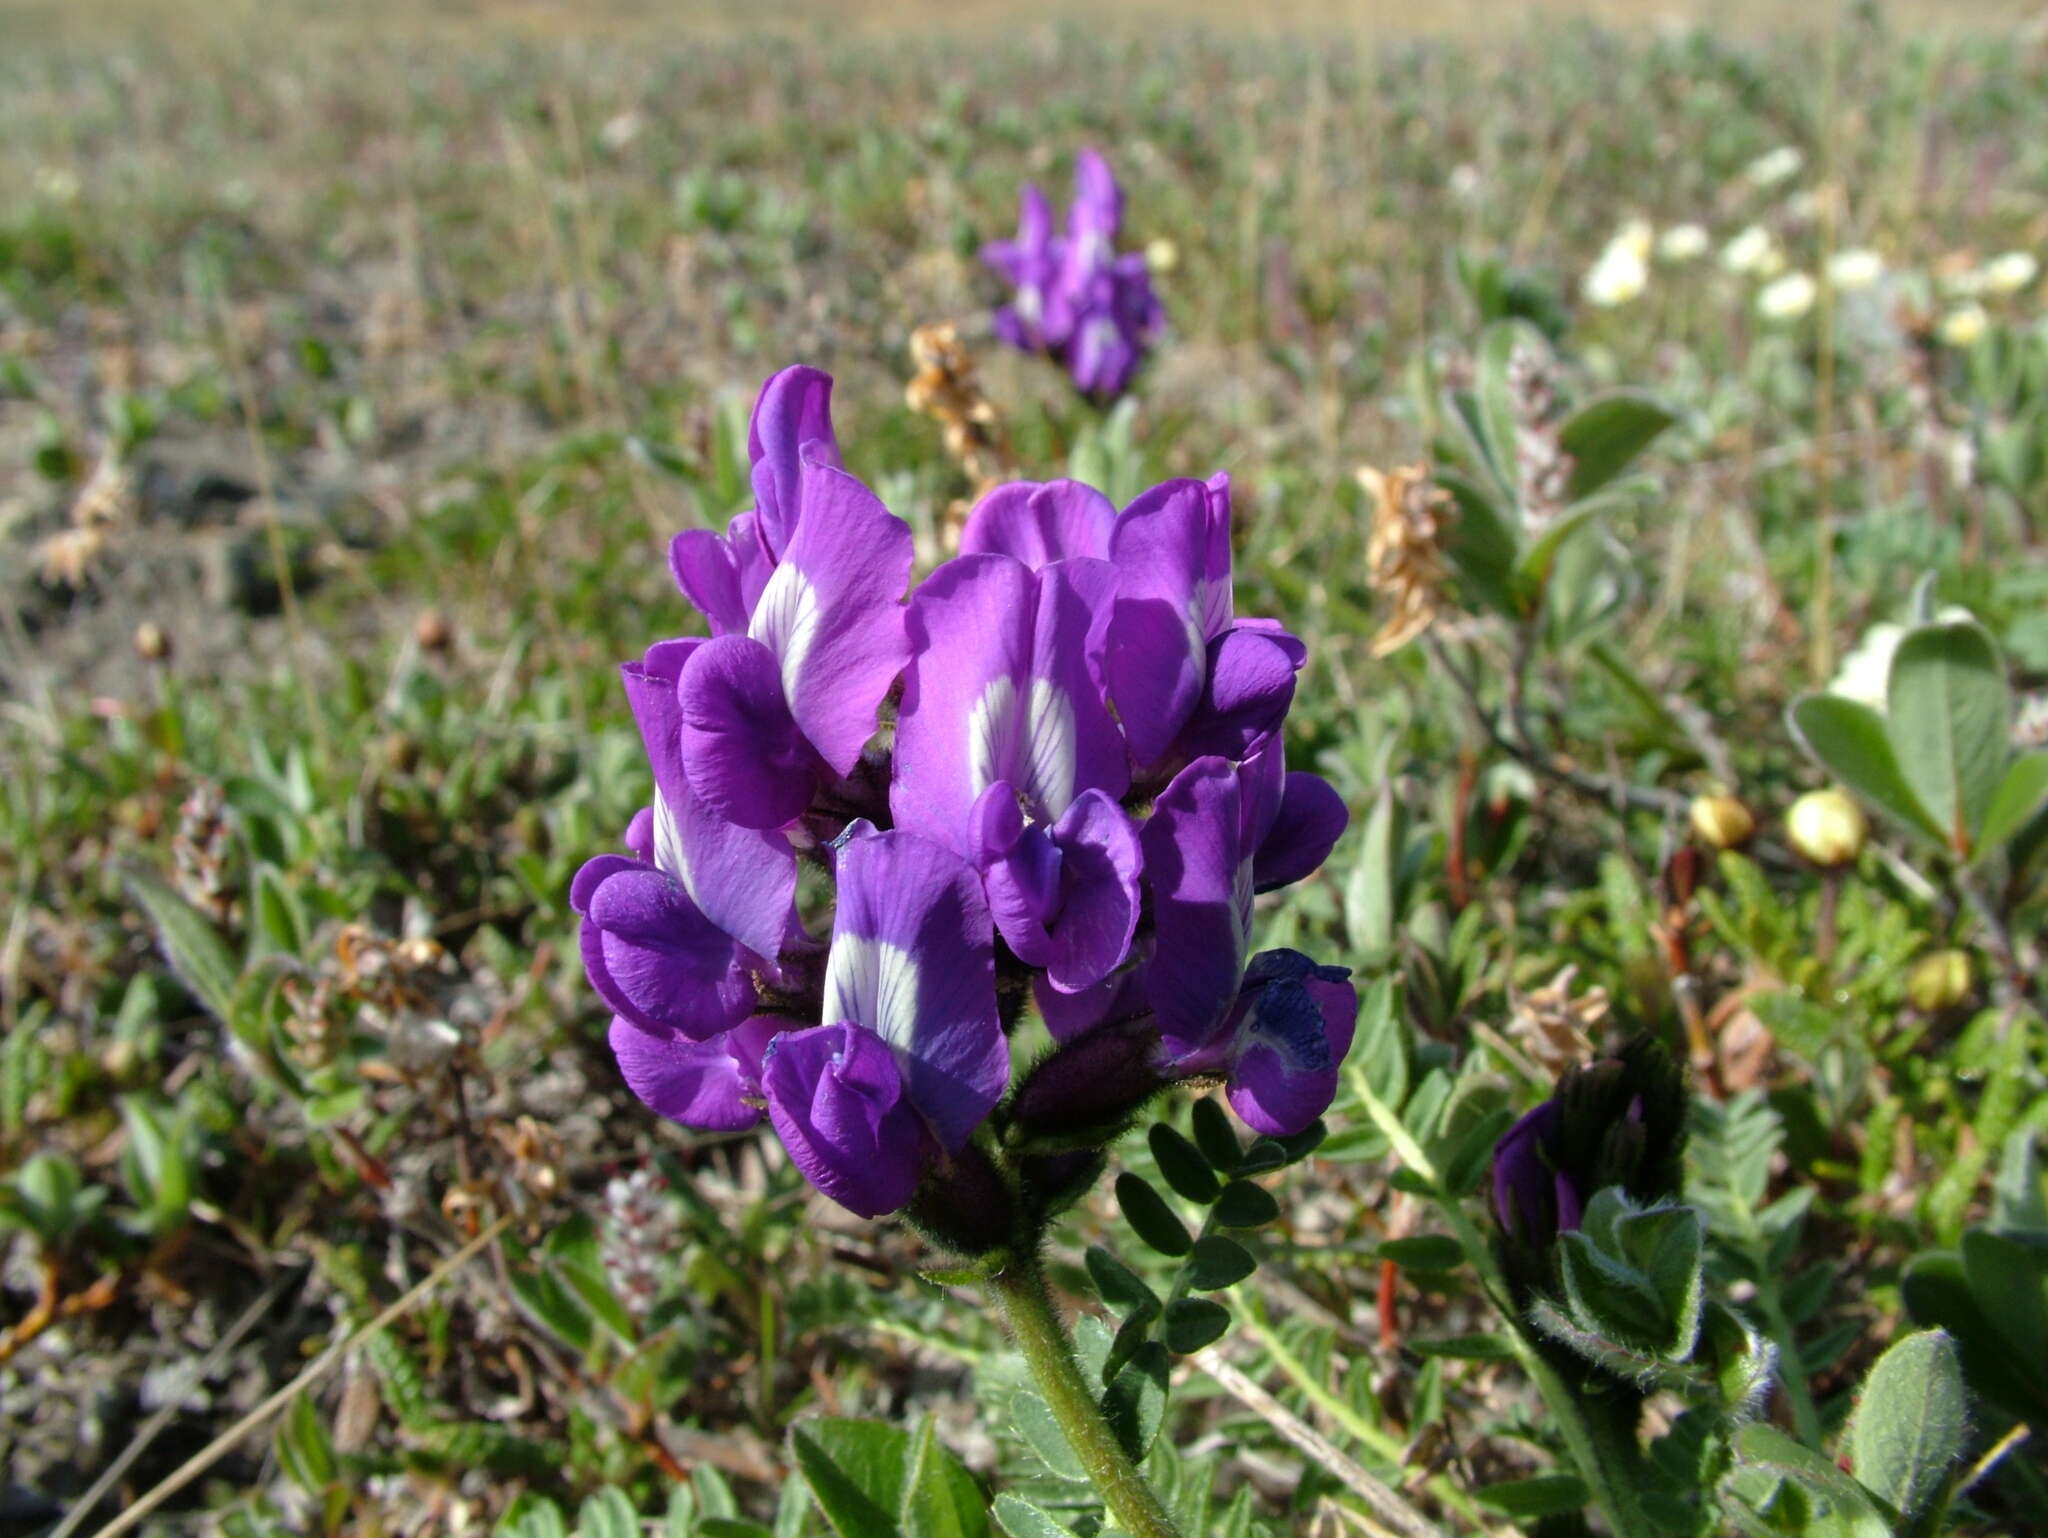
1075	747
1073	297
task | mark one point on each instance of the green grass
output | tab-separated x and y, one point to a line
493	360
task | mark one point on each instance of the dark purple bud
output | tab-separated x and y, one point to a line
1085	1092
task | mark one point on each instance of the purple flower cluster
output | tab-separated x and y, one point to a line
1075	299
973	769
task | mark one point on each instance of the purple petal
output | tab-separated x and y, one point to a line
1099	864
653	957
743	751
1296	1036
1004	686
1040	522
792	413
1311	819
1525	1193
837	1100
1122	996
1020	871
722	574
832	614
1171	548
744	879
957	727
1200	880
1098	201
711	1085
1101	356
1250	685
913	960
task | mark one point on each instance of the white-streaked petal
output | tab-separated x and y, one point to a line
786	621
1048	749
993	735
872	983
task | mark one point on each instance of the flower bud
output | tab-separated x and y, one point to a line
1721	821
1616	1121
1084	1092
152	642
963	1204
1827	827
1939	981
432	631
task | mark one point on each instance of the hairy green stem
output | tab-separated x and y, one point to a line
1020	1290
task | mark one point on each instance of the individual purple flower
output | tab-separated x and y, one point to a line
725	574
1031	264
1188	678
911	1056
742	879
769	715
1006	751
714	1085
1218	834
1533	1198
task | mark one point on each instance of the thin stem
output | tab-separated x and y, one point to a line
2013	982
1020	1290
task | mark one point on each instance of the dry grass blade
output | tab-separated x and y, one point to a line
1393	1512
317	1369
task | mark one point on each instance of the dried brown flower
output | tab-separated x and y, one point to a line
1554	1026
1410	519
945	389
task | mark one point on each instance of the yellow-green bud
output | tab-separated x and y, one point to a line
1939	981
1721	821
1827	827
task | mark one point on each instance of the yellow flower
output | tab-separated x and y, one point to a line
1963	325
1827	827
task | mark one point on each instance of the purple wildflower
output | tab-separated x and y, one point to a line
1078	745
1073	297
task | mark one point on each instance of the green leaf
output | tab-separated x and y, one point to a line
855	1469
940	1498
1244	1205
1213	1134
607	1514
1150	1218
531	1516
1192	1323
1217	1263
303	1449
2022	792
1482	544
1032	1419
1487	1347
728	1527
1851	742
1182	1165
1603	435
1021	1519
1423	1252
1949	714
1911	1422
2008	1278
1545	1495
1134	1404
1120	1287
1497	346
190	944
1369	910
1765	1447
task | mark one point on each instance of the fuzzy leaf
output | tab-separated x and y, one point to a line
1150	1218
1182	1166
1851	742
1911	1422
1948	713
1603	435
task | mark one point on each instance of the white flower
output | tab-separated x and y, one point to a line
1964	324
1780	165
1788	298
1623	271
1464	182
620	131
2010	272
1683	243
1755	252
1161	255
1857	269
